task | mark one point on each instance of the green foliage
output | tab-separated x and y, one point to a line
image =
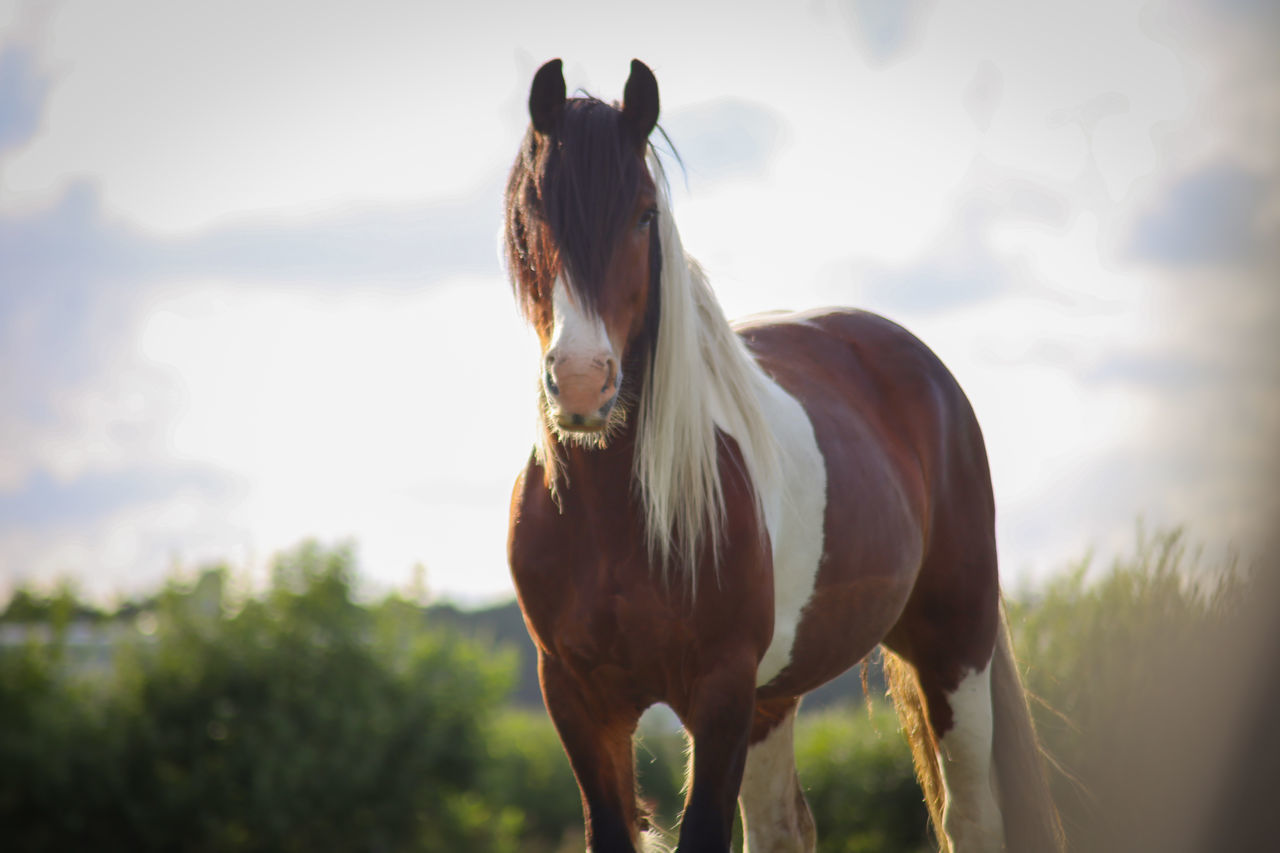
857	775
1119	664
57	610
661	759
303	721
527	771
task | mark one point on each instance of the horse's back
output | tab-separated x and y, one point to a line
870	387
909	514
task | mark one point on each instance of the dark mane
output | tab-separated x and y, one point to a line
569	197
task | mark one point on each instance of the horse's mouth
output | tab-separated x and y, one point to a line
581	423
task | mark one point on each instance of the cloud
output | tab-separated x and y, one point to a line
73	284
78	399
725	139
103	473
965	266
45	501
22	93
69	288
124	549
287	330
1209	218
406	244
75	292
73	247
886	30
983	93
959	272
1188	412
309	344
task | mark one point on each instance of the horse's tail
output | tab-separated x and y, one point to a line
908	699
1031	821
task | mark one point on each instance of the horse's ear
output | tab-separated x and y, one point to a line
640	102
546	96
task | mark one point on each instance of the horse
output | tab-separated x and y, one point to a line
723	517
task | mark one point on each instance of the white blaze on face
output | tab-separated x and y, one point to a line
581	360
576	331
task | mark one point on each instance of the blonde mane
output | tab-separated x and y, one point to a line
702	379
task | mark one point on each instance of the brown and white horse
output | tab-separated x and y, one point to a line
723	518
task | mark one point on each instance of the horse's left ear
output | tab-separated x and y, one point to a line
640	102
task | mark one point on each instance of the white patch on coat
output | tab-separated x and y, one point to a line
794	513
775	818
970	817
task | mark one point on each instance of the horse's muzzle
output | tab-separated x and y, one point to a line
594	422
581	392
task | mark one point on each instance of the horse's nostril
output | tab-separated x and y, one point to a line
548	378
610	376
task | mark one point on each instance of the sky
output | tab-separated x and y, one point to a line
251	293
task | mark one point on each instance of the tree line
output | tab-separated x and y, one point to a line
301	718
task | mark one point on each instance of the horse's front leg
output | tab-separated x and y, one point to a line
719	721
596	735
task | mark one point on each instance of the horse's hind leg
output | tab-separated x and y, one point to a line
950	725
970	817
775	816
941	683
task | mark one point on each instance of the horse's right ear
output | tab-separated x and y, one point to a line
546	96
640	102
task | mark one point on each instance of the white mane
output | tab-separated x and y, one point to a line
702	378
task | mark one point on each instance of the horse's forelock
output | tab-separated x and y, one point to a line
570	198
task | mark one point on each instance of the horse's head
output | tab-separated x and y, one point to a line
583	250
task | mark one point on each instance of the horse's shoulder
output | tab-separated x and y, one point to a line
534	521
535	542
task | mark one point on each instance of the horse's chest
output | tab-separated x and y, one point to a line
585	592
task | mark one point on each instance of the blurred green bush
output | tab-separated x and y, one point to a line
1131	666
856	772
203	720
301	721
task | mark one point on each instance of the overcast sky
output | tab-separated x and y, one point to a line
250	289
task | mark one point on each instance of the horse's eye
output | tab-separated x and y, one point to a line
647	218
